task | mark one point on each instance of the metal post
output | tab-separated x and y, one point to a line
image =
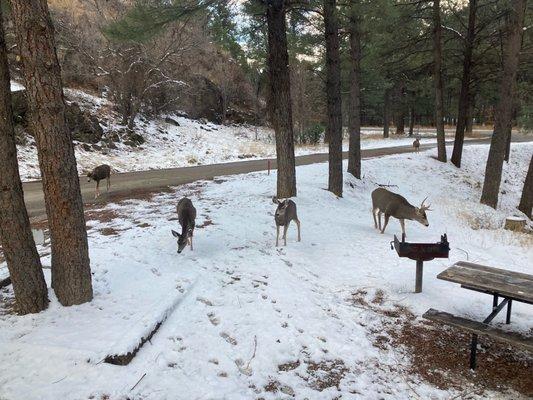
473	351
508	318
268	166
494	301
419	272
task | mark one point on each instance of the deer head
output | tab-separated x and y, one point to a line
421	213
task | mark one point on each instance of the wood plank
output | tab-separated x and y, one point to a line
506	283
480	328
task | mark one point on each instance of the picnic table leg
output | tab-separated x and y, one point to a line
494	301
473	352
508	318
419	273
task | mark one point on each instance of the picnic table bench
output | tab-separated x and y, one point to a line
500	283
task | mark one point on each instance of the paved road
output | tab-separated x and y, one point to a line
124	183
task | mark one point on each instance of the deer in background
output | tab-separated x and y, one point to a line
394	205
416	145
285	213
99	173
187	219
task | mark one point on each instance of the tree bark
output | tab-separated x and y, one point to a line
399	117
526	201
464	97
23	262
412	117
333	94
280	106
437	80
504	109
354	151
386	111
470	116
71	273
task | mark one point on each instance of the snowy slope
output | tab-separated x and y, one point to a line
254	321
192	143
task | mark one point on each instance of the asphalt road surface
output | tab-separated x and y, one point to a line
152	180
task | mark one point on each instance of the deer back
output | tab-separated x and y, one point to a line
186	214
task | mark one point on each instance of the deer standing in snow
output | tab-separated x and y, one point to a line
394	205
99	173
285	213
416	145
187	220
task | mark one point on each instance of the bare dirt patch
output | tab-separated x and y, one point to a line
110	231
101	215
326	374
206	223
440	356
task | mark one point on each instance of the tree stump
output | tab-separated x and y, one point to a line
516	224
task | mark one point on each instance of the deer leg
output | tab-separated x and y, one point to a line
277	235
402	223
374	210
97	189
385	223
108	183
379	219
298	225
190	242
285	234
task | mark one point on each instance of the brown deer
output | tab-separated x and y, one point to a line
101	172
394	205
187	219
285	213
416	145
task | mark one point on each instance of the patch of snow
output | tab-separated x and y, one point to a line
248	307
16	87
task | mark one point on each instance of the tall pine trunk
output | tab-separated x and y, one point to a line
280	106
504	109
437	81
71	273
354	151
386	113
470	115
464	97
23	262
333	94
526	201
412	117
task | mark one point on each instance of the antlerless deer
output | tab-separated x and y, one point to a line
285	213
99	173
394	205
187	220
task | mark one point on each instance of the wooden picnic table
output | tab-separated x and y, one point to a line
496	281
508	285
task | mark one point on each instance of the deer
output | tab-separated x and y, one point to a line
187	219
101	172
285	213
416	145
393	205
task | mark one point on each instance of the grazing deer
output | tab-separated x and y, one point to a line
101	172
186	218
394	205
416	145
285	213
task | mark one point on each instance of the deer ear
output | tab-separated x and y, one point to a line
175	234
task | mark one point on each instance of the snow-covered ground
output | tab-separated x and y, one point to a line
192	143
247	320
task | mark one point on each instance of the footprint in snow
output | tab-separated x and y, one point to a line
228	338
213	319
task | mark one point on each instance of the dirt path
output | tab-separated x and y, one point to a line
147	181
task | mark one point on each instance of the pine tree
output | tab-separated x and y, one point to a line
71	273
23	262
